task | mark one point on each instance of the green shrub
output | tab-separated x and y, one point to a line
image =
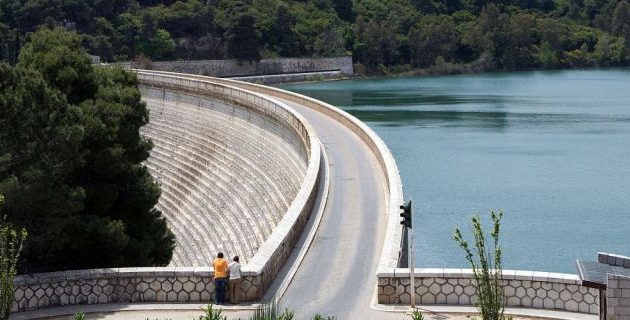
270	311
486	266
79	316
212	314
11	242
417	315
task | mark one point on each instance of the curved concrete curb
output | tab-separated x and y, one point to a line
325	184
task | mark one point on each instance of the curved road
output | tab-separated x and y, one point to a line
338	274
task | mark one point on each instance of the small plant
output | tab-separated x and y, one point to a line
287	315
320	317
212	314
79	316
270	311
417	315
11	242
486	267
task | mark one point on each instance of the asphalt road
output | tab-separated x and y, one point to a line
338	274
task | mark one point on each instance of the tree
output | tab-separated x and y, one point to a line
243	39
432	37
60	58
547	56
74	175
37	164
486	266
160	46
519	50
9	44
283	36
129	30
11	241
608	50
344	9
621	20
377	41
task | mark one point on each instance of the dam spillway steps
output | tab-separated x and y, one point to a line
227	179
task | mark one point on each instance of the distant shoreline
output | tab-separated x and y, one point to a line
454	69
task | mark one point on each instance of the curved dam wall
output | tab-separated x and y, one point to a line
184	160
227	173
531	289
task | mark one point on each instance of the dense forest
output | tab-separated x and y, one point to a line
381	35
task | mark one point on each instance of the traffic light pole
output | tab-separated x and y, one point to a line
411	256
407	222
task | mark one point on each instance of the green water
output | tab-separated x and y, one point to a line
551	149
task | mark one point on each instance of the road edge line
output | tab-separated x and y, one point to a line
311	234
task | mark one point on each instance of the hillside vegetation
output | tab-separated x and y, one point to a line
382	35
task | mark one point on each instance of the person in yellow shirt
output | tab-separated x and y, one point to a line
220	265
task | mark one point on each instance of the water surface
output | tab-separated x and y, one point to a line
550	149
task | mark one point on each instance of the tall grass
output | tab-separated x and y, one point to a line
270	311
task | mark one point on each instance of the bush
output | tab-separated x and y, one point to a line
486	266
212	314
11	242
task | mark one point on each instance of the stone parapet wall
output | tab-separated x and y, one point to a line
618	297
541	290
292	77
182	284
122	285
613	259
234	68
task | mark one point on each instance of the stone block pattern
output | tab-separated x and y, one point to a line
291	77
233	68
518	293
613	259
121	286
618	297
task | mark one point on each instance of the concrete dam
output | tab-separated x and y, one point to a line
286	182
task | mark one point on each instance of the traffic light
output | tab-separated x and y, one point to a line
406	214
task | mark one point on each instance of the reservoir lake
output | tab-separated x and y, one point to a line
549	148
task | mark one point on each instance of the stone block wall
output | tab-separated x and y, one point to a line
542	290
234	68
618	297
613	259
121	286
291	77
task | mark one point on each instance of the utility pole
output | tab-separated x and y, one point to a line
407	216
